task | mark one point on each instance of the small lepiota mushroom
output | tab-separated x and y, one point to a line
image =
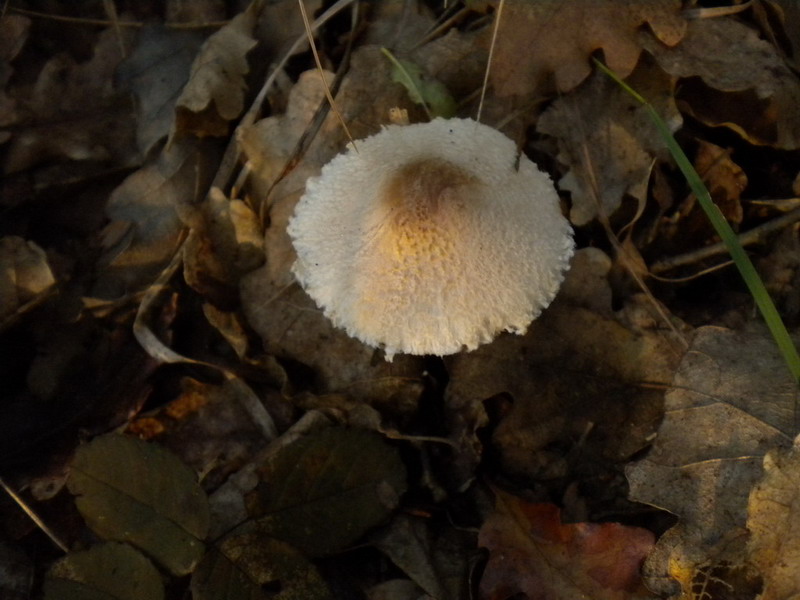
431	239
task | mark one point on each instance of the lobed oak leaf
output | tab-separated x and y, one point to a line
533	553
746	86
214	94
608	140
550	37
731	401
773	508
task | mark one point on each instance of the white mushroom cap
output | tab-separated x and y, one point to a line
431	239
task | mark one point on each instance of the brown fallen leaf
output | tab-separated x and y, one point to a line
145	226
789	14
732	399
280	24
570	353
211	428
688	225
729	56
774	524
13	34
214	95
396	589
25	277
74	112
551	37
780	270
156	71
533	553
437	563
225	242
607	140
17	569
724	179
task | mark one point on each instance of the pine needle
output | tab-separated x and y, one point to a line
328	94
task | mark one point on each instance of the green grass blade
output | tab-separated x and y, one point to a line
723	229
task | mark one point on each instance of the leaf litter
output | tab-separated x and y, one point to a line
315	468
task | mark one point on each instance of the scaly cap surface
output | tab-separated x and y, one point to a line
431	239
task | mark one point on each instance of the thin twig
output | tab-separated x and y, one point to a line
328	94
714	12
107	23
752	236
34	517
621	251
111	11
232	153
497	18
693	276
440	28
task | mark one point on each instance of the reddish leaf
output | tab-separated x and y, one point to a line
533	553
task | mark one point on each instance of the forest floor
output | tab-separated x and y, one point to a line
178	419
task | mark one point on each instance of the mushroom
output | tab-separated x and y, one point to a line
432	238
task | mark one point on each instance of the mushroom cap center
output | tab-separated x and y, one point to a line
421	190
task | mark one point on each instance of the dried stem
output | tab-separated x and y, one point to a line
497	18
328	94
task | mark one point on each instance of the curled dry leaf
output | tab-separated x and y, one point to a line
607	139
145	227
214	95
532	553
554	38
225	242
729	56
724	179
732	399
773	520
25	276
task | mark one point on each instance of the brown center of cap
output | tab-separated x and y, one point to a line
420	190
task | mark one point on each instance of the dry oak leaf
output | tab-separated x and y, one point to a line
608	140
724	178
533	553
552	37
731	400
730	57
774	524
156	72
215	92
73	111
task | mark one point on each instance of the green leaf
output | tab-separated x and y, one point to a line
430	93
239	568
108	571
746	269
324	491
133	491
